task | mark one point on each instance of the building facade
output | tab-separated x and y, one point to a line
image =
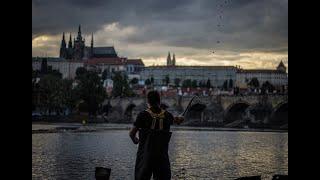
277	77
130	67
216	74
66	67
134	67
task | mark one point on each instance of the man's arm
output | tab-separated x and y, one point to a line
132	133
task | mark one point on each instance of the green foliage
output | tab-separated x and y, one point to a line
105	74
134	81
52	94
225	85
167	80
208	85
267	86
177	82
254	82
230	84
187	83
90	89
147	82
80	71
121	86
194	84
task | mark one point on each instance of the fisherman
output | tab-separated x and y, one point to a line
153	127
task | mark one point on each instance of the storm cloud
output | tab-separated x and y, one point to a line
151	28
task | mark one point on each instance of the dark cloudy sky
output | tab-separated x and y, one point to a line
250	33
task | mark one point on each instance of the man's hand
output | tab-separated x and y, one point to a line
135	140
132	135
178	119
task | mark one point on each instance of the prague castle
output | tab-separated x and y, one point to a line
77	50
76	54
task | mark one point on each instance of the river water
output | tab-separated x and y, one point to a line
193	154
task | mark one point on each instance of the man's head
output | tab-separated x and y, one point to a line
153	98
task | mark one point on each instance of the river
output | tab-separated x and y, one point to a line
193	154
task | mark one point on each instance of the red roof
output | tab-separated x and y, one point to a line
107	61
135	62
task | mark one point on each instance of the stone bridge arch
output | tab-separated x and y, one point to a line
227	101
279	115
129	113
195	113
236	111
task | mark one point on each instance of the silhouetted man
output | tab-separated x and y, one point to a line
153	125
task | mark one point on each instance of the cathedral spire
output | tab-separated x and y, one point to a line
63	47
92	40
63	42
79	33
70	42
91	47
173	60
168	59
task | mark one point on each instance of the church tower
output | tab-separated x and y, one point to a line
281	67
63	48
173	60
91	46
79	46
70	48
169	59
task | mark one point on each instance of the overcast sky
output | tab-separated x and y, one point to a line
249	33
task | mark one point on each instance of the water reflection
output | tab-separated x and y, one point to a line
193	154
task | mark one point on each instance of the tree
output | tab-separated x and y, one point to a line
35	74
208	84
105	74
90	90
194	84
54	72
177	82
80	71
254	82
147	82
35	89
187	83
267	86
167	80
225	85
44	66
51	94
134	81
69	94
230	83
121	86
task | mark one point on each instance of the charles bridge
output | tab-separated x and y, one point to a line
219	109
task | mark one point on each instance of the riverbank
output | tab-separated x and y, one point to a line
45	127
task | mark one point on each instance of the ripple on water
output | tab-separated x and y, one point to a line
193	154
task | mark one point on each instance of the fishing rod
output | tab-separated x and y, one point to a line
188	106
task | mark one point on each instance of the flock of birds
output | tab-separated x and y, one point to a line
220	7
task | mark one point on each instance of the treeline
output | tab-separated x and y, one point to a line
53	94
